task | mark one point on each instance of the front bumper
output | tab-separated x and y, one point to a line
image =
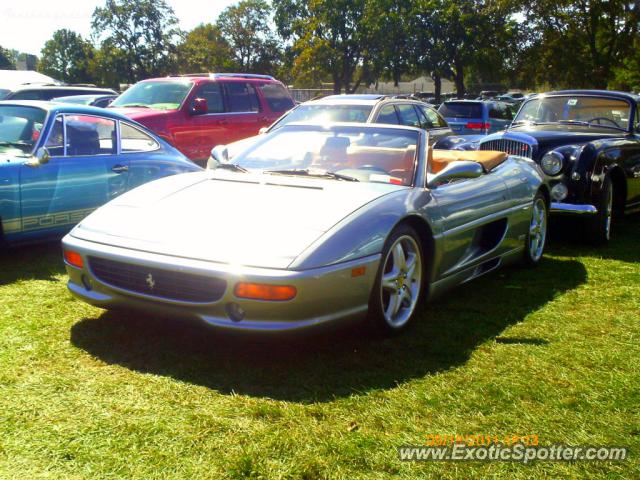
559	208
324	294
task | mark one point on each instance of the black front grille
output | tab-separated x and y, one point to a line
512	147
168	284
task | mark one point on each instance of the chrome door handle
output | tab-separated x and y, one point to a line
119	169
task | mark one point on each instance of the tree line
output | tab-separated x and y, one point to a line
534	44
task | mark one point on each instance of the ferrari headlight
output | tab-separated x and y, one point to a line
552	163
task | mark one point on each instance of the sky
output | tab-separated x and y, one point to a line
26	25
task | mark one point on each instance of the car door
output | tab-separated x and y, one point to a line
146	159
277	100
244	118
631	165
205	129
498	116
434	123
83	173
387	114
465	206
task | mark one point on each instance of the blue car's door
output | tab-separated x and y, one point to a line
84	172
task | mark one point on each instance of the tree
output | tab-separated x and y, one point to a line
204	49
246	29
580	43
137	37
6	60
391	39
330	37
67	56
457	37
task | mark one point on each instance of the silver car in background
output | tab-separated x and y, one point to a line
310	225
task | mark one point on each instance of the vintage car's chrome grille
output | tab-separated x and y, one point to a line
180	286
512	147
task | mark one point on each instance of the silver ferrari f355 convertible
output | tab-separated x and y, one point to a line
312	224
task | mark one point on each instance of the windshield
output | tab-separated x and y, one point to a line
607	112
4	93
20	128
162	95
326	114
461	110
362	153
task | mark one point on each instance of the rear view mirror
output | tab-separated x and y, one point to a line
263	130
457	170
219	155
41	157
199	106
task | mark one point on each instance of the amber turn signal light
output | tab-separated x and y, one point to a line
73	258
260	291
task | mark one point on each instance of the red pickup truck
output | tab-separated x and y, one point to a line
197	112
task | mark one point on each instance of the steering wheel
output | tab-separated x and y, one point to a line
603	118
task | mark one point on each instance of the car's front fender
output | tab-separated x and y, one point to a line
364	231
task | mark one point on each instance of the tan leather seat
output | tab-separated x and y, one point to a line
439	159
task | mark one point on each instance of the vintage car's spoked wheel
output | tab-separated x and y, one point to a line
537	236
399	283
608	212
600	225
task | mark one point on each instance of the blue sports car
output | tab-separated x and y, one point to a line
59	162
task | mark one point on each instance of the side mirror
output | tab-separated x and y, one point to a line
263	130
199	106
41	157
463	169
219	155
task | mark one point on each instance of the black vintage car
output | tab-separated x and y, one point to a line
587	142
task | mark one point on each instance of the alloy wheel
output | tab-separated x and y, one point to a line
401	281
538	229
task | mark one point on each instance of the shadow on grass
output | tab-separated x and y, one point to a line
569	239
33	262
320	367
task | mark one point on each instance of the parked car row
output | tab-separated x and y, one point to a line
373	201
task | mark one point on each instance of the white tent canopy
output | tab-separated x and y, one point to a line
13	78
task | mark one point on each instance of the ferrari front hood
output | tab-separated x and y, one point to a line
233	218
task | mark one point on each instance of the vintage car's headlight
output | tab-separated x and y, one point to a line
552	163
559	192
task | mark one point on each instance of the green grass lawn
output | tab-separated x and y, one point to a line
554	351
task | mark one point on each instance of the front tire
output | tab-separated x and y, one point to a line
536	238
399	283
599	227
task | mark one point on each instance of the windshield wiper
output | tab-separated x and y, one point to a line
132	105
310	172
588	124
233	167
574	122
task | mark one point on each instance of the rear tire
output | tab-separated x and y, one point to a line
536	238
599	227
399	284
